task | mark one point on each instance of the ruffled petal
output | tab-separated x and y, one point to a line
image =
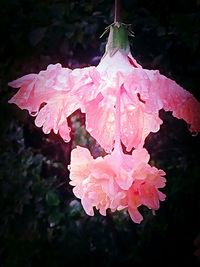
79	168
100	121
149	196
176	99
135	214
190	112
23	81
87	205
36	89
53	116
86	84
136	123
140	155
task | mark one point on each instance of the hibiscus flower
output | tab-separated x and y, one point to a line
121	101
93	90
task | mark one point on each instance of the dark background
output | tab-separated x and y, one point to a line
41	222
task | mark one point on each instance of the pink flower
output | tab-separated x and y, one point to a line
121	101
93	90
116	182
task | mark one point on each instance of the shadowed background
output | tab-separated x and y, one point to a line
41	222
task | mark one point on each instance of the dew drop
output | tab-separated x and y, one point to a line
130	108
111	118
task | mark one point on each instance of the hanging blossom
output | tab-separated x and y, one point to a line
54	94
93	90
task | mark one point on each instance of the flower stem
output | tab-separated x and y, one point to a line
117	10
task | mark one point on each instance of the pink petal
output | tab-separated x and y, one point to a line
190	112
162	196
136	122
86	83
135	215
53	116
87	205
100	118
149	196
109	66
23	81
140	155
36	89
79	168
176	99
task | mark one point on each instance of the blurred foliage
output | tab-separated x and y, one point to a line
41	222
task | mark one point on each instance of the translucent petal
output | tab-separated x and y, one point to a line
53	116
100	121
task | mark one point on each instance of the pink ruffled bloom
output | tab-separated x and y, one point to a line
116	182
93	90
121	101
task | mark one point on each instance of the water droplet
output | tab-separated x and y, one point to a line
111	118
131	107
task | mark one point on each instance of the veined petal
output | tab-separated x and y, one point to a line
136	123
176	99
36	89
149	196
100	121
87	205
23	81
140	155
86	83
111	65
53	116
190	112
135	214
